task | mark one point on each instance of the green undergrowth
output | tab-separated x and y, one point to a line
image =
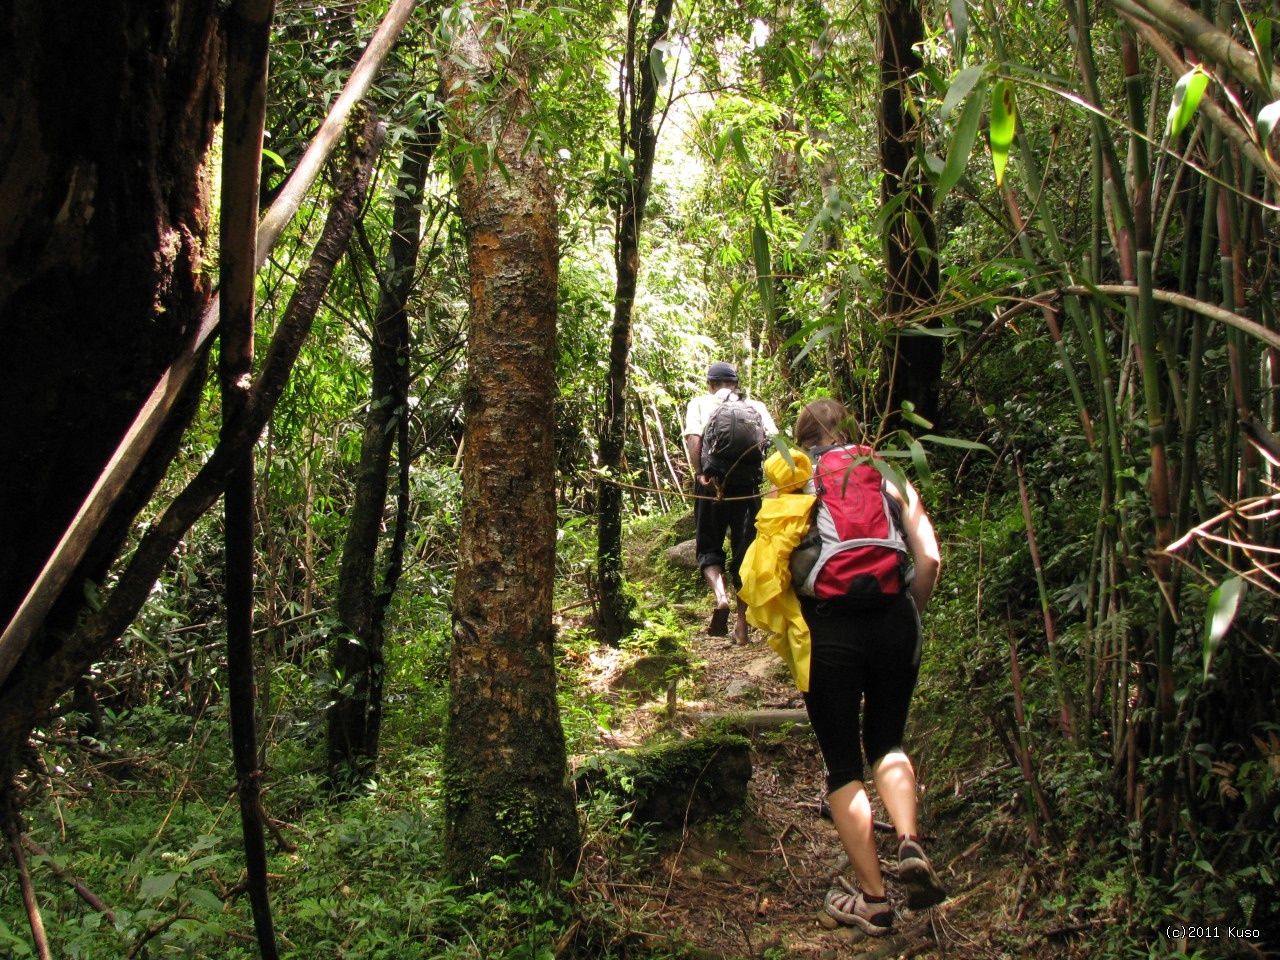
362	879
143	813
1013	795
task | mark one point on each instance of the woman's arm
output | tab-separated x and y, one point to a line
924	548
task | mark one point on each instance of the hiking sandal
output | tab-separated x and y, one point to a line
849	906
924	888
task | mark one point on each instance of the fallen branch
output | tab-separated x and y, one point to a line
752	720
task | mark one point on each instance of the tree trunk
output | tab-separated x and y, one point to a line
248	29
355	719
639	141
915	361
106	113
507	798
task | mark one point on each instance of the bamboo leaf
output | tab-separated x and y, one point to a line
957	442
1262	34
964	82
961	146
1186	98
764	273
890	473
1218	616
718	144
1267	119
920	461
1004	120
821	335
958	14
888	212
909	414
784	448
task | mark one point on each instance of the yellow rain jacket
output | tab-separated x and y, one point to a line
766	574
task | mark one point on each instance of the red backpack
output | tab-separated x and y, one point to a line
855	546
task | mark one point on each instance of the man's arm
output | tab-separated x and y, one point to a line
693	448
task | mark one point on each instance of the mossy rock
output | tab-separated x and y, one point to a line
650	674
675	783
682	528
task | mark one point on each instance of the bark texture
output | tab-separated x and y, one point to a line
506	793
106	113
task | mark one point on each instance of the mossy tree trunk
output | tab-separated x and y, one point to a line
506	789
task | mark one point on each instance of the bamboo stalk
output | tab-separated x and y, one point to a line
1065	702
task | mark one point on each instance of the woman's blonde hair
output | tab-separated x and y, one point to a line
822	422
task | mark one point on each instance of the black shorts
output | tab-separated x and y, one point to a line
735	515
862	672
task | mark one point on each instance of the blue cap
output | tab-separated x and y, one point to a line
720	372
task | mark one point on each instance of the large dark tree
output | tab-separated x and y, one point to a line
506	793
106	113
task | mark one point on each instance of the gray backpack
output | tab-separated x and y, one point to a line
733	443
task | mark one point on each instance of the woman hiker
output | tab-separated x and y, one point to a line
856	661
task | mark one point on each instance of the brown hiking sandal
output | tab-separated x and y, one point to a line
850	907
924	888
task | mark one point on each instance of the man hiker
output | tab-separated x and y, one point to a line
725	435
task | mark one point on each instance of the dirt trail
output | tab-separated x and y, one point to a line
753	889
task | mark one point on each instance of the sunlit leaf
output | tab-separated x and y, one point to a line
1219	615
273	157
1004	121
1186	98
657	63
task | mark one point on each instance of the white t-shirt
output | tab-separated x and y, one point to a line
700	407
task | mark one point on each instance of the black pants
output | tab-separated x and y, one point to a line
735	514
862	672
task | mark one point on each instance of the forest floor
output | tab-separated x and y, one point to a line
754	887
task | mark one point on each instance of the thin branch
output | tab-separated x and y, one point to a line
83	892
1254	329
14	834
